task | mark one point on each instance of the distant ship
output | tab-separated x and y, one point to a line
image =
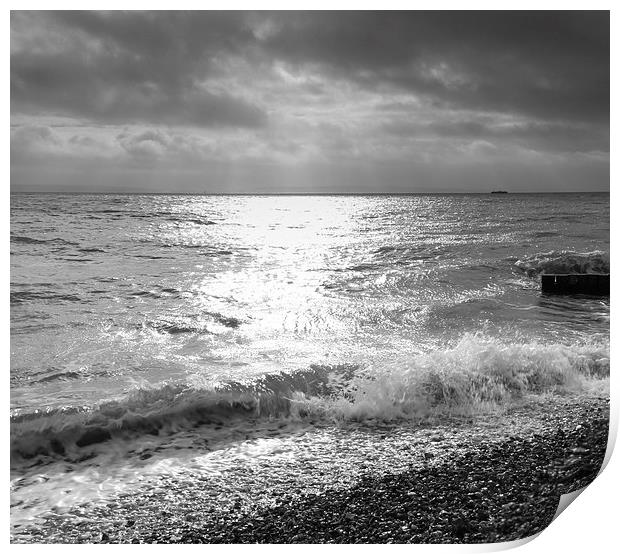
499	192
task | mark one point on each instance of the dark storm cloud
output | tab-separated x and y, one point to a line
544	64
403	101
551	65
124	67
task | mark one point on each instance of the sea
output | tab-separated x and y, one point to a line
169	338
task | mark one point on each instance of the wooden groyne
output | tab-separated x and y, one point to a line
594	284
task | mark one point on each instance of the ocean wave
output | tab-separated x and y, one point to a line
163	411
565	261
407	254
174	328
226	321
31	240
199	324
194	220
60	376
477	373
117	214
19	297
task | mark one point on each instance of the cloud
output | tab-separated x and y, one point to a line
543	64
33	136
527	134
121	68
149	66
155	144
35	140
292	93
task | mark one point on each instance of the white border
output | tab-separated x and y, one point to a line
590	523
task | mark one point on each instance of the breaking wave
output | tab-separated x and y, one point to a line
477	373
565	261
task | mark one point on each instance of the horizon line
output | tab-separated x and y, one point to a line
258	193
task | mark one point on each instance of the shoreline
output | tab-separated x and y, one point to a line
490	493
490	489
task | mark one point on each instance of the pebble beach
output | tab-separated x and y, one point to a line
494	478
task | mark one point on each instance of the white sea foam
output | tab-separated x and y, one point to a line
478	373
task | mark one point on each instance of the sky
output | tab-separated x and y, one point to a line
319	102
